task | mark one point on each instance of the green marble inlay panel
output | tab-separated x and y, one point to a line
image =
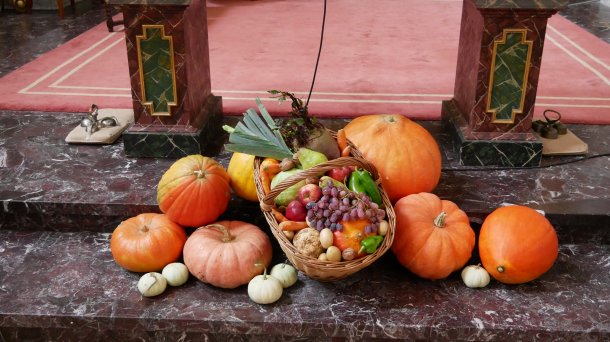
509	77
155	51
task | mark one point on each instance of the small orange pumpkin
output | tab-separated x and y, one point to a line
517	244
147	242
227	254
194	191
433	237
405	154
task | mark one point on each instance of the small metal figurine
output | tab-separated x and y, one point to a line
92	124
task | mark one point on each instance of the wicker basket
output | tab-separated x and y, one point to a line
312	267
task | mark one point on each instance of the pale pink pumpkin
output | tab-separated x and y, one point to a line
227	254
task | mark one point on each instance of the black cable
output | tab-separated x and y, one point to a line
318	59
528	168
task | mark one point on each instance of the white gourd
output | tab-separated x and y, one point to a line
175	273
265	289
152	284
475	276
286	274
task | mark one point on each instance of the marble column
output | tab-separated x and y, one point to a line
175	112
499	58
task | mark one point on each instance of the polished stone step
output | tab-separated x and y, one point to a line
58	281
47	184
65	286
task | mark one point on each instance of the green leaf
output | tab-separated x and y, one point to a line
257	151
258	124
271	123
253	135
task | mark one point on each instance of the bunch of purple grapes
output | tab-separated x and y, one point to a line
339	204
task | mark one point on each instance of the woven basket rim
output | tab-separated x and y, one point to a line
312	267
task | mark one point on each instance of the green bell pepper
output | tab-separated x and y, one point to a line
370	244
361	181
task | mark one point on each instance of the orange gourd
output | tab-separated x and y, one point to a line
227	254
194	191
405	154
433	237
517	244
147	242
241	172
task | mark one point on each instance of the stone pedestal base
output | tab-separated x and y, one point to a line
173	144
489	148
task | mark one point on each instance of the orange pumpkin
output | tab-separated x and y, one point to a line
405	154
147	242
517	244
241	171
227	254
194	191
433	237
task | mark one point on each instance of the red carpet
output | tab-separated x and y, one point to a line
379	56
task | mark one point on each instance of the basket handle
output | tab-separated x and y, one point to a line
267	201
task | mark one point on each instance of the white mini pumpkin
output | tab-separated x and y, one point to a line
152	284
265	289
475	276
286	274
175	273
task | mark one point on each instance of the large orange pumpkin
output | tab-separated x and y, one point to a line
405	154
194	191
227	254
433	237
517	244
147	242
241	171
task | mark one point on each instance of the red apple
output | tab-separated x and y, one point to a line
309	193
340	173
295	211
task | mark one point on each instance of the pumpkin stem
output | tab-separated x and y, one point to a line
264	269
198	173
227	235
144	228
439	221
389	118
500	269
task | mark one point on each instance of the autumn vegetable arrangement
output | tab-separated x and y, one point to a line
322	200
335	202
194	192
434	239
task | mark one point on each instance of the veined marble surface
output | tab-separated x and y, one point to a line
66	286
49	184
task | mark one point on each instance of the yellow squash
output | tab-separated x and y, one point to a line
241	171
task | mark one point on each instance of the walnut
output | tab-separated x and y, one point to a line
307	242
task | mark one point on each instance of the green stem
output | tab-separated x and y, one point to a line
439	221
